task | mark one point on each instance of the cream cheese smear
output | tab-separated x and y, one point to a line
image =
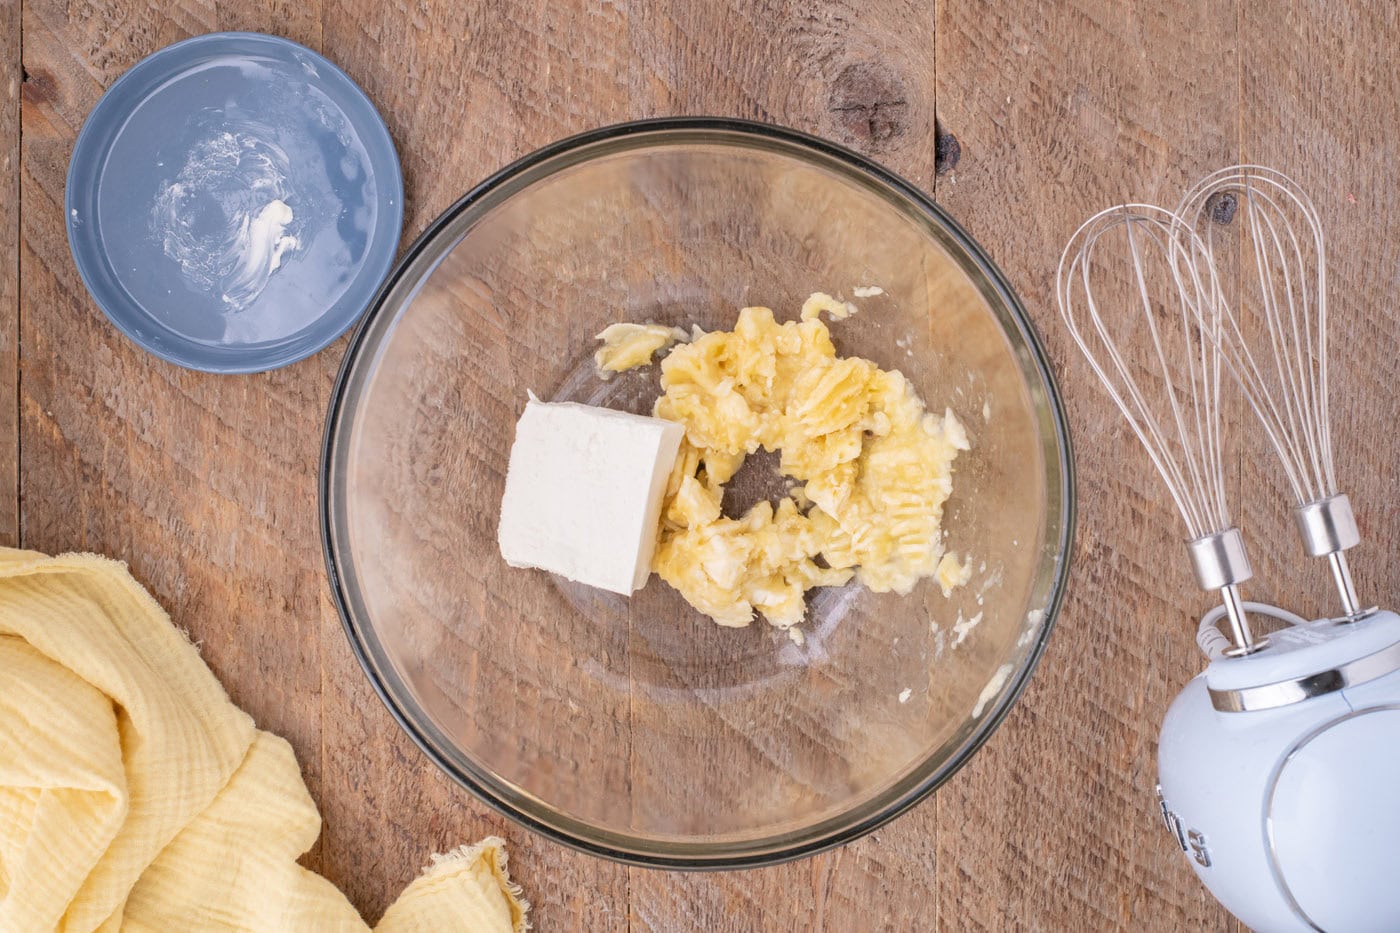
226	219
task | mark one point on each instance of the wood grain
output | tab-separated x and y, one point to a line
207	485
11	77
861	73
1326	126
456	114
1059	113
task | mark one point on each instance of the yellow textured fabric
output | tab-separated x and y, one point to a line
135	796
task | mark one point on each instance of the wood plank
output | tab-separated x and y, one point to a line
1320	89
207	485
465	88
204	484
1061	110
862	74
11	78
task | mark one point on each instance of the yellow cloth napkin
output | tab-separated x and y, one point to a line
134	795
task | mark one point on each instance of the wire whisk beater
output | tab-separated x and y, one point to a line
1143	303
1257	225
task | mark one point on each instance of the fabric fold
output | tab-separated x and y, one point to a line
135	795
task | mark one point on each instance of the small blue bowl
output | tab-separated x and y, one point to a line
234	202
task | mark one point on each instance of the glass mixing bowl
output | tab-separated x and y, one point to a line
636	728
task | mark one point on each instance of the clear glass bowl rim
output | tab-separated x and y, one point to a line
429	248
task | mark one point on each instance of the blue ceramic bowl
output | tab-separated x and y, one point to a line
234	202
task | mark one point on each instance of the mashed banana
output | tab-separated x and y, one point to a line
628	345
872	469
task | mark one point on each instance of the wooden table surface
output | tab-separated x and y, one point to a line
206	485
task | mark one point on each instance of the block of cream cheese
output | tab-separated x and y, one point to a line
583	493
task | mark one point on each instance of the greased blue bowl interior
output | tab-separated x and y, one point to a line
234	202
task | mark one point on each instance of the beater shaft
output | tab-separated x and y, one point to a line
1240	634
1221	564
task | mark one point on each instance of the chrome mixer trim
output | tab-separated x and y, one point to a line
1220	563
1170	819
1219	559
1298	689
1327	525
1328	528
1270	848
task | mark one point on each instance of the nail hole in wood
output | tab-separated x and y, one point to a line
1222	206
947	150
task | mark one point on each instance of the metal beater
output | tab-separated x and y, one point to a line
1256	218
1171	301
1279	765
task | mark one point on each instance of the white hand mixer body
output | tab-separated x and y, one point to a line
1279	777
1279	766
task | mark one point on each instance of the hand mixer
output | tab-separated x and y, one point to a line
1279	765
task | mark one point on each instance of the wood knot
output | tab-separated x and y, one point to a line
869	104
37	87
1222	206
946	150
